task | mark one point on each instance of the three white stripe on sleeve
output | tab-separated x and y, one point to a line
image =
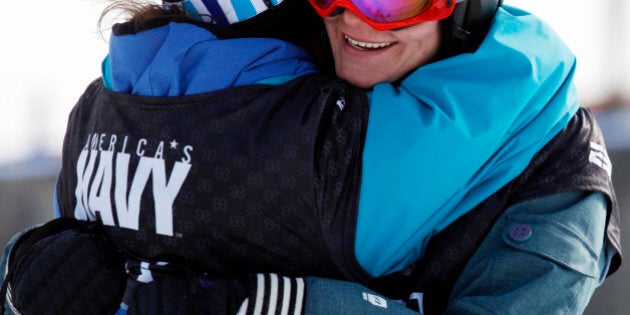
276	295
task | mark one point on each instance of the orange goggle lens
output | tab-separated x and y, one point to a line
389	14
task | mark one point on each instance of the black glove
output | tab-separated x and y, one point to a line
65	266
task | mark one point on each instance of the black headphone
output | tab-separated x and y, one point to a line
466	27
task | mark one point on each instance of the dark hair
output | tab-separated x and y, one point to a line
136	13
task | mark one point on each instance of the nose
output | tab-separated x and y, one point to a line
351	19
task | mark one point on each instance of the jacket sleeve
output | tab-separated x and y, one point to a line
274	294
543	256
3	266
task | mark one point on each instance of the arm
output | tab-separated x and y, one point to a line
555	270
5	308
274	294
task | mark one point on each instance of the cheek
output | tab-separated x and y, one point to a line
421	48
331	31
422	53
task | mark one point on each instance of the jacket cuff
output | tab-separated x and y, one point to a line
274	294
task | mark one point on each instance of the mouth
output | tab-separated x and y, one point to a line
365	45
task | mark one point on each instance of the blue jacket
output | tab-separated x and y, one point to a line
411	166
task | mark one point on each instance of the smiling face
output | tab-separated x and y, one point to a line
365	56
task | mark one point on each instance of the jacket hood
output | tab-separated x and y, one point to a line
184	59
490	111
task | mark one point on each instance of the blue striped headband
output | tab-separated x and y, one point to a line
223	12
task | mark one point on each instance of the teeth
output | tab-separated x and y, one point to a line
363	45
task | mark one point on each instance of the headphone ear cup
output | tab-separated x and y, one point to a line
464	30
458	21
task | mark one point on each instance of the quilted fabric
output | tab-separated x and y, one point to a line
55	275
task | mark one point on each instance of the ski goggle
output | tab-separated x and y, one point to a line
388	14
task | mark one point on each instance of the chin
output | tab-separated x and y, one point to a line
362	81
362	84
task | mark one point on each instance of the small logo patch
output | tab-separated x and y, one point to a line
375	300
599	157
341	103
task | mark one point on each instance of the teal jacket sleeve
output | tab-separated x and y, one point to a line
328	296
274	294
544	256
